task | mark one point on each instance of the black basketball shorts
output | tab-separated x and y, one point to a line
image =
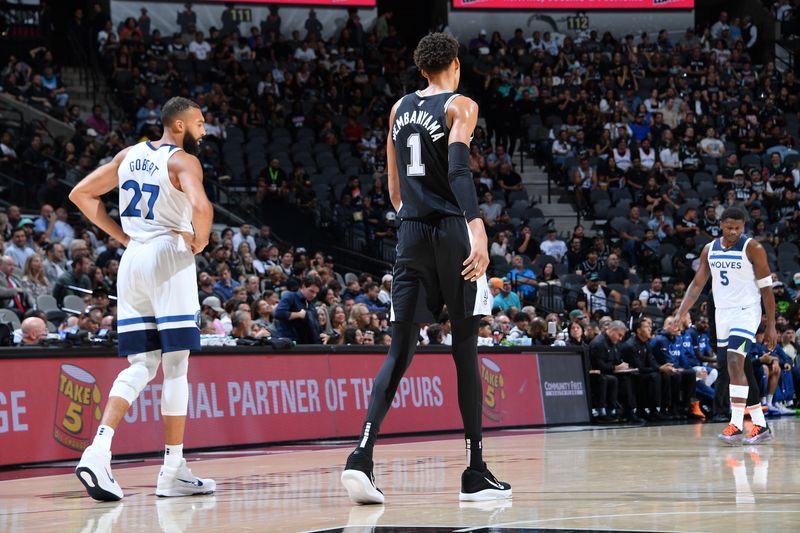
427	273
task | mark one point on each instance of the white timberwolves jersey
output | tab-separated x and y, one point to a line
732	275
150	204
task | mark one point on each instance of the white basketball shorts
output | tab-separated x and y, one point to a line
158	307
737	326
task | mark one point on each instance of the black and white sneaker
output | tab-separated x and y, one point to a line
181	482
359	481
481	485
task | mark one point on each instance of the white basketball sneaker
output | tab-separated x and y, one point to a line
181	482
94	471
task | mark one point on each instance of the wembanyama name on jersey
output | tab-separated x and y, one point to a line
421	118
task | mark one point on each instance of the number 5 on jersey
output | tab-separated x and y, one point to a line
132	210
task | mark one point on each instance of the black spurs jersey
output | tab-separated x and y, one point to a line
420	136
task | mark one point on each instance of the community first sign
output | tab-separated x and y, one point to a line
50	407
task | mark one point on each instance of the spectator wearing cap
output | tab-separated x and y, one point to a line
18	249
211	307
505	298
782	299
794	287
480	44
553	246
385	294
594	296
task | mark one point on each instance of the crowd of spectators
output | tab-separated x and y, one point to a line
652	136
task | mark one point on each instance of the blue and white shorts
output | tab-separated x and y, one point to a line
158	307
737	326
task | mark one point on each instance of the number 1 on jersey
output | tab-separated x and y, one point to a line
416	168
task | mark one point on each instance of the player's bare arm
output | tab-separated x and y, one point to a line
696	286
391	162
758	256
462	115
187	175
87	197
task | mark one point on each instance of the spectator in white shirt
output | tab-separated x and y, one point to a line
719	26
553	246
305	53
670	156
199	48
711	145
244	236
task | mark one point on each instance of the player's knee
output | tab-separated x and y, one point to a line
131	381
176	364
175	392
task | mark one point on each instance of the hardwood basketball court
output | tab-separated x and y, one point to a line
666	478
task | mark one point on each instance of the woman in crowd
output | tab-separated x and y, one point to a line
34	280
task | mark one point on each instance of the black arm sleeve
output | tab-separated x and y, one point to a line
460	179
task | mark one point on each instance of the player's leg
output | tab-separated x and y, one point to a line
413	266
139	342
176	308
466	303
730	339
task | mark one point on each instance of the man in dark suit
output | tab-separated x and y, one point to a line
12	295
295	315
604	356
636	351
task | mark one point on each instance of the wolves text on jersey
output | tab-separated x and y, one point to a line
422	118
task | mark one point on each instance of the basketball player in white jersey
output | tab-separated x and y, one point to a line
166	220
740	280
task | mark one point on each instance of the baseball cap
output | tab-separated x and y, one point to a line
738	172
386	277
777	284
497	283
594	276
25	222
482	32
796	277
576	313
214	303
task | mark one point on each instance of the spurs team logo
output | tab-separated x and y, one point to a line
494	391
77	408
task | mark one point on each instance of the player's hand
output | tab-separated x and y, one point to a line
478	261
770	337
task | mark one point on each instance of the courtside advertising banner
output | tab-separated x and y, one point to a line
50	407
581	5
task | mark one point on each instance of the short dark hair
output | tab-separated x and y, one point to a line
435	52
308	281
733	212
174	107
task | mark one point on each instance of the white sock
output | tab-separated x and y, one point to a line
102	440
757	415
737	415
173	454
769	398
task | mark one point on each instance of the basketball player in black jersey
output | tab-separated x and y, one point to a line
442	258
